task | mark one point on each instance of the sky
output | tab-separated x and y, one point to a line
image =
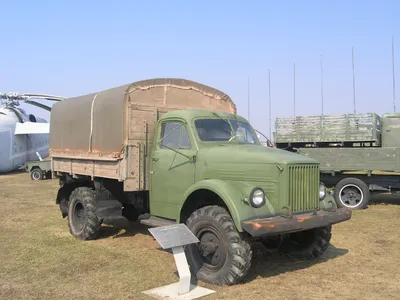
71	48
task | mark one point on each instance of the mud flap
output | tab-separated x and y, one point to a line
108	209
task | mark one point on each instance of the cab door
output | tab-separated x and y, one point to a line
172	168
391	130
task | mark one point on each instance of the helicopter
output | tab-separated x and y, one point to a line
23	136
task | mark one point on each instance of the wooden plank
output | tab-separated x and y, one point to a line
140	118
328	128
91	168
85	155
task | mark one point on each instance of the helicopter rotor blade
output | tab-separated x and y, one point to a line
45	97
13	99
23	96
45	107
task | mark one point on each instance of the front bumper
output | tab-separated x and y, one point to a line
292	223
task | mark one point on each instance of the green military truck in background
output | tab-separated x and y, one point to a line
359	154
166	151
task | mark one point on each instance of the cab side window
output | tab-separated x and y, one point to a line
174	135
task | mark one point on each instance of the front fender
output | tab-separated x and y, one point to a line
231	194
328	202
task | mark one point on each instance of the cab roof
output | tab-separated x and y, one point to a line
199	113
391	115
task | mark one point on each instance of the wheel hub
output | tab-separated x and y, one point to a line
79	215
351	196
208	248
211	250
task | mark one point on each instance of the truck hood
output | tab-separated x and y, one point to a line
252	154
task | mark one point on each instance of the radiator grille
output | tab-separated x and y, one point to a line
303	187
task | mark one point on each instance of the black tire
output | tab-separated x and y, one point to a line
82	219
308	244
37	174
352	193
272	243
225	248
130	213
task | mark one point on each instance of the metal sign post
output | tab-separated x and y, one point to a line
175	237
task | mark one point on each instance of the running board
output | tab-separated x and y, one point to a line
157	222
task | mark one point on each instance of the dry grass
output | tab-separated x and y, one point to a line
39	259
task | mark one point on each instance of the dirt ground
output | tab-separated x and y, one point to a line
39	259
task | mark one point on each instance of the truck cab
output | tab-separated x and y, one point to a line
210	171
220	152
390	130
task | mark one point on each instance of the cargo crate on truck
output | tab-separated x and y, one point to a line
359	154
175	151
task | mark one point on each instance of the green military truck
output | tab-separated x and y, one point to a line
359	154
175	151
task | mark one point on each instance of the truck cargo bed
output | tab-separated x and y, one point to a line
355	159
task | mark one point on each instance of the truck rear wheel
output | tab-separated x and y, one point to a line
352	193
308	244
82	219
221	257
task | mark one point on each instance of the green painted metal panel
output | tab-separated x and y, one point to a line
303	187
391	130
355	159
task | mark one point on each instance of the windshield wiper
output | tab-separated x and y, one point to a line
223	119
230	125
241	133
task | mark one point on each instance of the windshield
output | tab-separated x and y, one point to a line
212	130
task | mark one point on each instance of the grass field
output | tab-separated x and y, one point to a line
39	259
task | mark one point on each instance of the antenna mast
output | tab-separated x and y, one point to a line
322	88
394	80
269	97
248	98
354	80
294	89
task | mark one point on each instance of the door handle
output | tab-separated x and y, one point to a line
155	159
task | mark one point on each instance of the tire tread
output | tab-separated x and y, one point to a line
240	249
92	223
317	248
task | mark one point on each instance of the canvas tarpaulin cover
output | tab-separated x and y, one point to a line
96	123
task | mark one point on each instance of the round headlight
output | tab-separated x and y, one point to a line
257	197
322	191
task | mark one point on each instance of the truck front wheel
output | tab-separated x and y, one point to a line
222	257
82	219
308	244
352	193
